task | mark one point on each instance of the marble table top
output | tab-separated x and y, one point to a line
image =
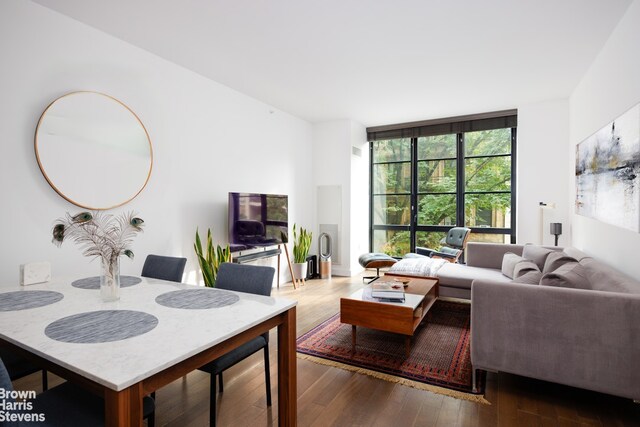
117	365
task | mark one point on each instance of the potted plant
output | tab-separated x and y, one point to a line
301	245
211	260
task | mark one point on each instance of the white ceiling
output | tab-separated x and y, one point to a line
373	61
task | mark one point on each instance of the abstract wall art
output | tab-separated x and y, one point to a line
608	173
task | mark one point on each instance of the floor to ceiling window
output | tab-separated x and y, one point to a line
430	176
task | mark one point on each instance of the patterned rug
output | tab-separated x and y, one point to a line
440	359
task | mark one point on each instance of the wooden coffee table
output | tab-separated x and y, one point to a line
359	309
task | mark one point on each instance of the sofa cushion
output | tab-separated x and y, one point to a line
461	276
531	277
569	275
556	260
509	261
524	267
601	277
575	253
537	254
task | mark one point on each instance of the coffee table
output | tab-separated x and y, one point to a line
360	309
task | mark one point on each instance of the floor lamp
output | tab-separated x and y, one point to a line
556	230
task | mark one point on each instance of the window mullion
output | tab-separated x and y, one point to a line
460	181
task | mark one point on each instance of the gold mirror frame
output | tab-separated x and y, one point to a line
43	129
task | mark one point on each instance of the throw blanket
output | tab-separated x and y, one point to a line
422	266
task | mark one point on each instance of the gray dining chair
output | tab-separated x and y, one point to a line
19	367
68	404
254	280
164	268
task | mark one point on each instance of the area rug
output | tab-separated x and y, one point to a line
440	359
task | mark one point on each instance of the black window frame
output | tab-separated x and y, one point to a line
458	126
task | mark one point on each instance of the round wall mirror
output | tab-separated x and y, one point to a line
93	150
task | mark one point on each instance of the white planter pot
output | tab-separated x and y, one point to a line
299	270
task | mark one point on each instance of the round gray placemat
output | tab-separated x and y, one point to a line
22	300
101	326
94	282
197	299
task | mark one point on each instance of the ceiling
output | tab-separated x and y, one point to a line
373	61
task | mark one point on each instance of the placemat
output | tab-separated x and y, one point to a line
101	326
23	300
197	299
94	282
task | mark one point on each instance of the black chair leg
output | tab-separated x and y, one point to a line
267	374
45	380
220	382
212	401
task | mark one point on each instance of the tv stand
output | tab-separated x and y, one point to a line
266	252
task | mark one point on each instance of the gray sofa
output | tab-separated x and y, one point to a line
584	332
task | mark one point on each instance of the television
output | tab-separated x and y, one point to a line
258	219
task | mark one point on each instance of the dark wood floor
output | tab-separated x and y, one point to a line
333	397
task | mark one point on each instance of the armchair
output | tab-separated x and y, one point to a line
456	242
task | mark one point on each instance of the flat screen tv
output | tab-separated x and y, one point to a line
257	219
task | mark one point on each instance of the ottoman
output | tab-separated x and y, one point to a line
377	261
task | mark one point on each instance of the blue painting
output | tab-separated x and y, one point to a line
608	173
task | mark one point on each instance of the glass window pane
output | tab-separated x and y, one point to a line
488	174
392	178
489	238
391	242
487	142
437	147
430	239
488	210
392	150
437	209
391	210
437	176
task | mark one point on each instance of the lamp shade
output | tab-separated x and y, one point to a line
556	228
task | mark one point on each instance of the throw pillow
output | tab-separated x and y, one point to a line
569	275
555	260
509	262
523	267
531	277
537	254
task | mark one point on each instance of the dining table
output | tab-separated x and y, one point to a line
156	333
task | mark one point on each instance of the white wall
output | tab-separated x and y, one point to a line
542	167
335	165
207	139
608	89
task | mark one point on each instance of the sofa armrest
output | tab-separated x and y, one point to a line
582	338
489	255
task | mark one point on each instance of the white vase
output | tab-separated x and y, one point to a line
300	270
110	280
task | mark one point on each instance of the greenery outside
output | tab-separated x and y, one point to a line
487	186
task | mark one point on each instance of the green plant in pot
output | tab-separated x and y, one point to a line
301	246
211	259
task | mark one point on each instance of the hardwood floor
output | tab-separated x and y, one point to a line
333	397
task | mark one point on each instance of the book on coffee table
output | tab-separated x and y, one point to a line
387	292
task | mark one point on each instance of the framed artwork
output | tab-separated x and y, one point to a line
608	173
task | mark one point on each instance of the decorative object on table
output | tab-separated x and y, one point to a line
608	173
439	361
102	236
556	230
35	272
82	131
301	246
211	260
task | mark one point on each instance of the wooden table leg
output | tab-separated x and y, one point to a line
353	337
123	408
287	377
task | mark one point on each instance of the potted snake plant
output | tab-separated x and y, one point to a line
301	246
